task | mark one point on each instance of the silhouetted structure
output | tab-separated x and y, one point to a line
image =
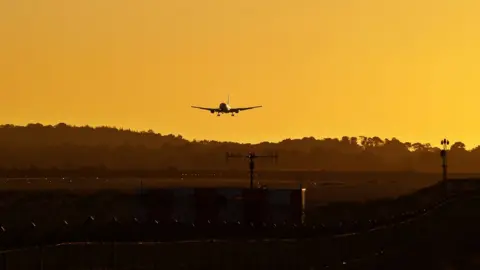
443	154
251	157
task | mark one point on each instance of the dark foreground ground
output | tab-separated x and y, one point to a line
445	237
434	228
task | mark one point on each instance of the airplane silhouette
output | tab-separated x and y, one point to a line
225	108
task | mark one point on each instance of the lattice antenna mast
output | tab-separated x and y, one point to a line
251	157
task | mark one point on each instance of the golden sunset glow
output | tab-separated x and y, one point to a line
325	68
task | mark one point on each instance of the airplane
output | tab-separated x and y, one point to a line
225	108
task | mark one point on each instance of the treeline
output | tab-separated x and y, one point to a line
64	147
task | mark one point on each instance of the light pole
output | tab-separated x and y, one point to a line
443	155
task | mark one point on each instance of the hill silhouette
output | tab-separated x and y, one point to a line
68	147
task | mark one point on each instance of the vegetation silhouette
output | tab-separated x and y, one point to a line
66	147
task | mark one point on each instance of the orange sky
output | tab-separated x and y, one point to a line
323	68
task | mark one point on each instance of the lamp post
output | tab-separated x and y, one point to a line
443	155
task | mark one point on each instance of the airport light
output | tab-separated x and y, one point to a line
443	155
251	156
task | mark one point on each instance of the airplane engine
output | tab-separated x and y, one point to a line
212	111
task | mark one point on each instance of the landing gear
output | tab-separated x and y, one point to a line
233	114
218	114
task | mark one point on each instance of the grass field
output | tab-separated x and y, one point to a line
356	188
50	201
42	201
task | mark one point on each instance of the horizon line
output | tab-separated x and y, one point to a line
220	141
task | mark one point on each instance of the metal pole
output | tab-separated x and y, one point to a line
443	154
251	157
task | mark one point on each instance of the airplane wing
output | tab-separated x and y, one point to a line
243	109
206	109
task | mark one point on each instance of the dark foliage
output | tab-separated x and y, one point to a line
36	146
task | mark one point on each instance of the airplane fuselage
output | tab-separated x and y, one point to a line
224	107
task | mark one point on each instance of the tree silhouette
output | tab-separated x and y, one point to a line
39	147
